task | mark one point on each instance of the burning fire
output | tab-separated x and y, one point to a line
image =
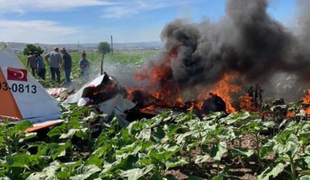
159	83
306	100
290	114
106	89
246	102
224	88
161	75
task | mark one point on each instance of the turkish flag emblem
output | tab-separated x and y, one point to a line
16	74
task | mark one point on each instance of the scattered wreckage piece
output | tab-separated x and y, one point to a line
108	97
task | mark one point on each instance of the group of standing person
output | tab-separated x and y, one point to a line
56	63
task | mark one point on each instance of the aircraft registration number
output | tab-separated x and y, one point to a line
20	88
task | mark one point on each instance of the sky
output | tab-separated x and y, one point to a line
93	21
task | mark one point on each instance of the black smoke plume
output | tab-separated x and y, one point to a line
247	41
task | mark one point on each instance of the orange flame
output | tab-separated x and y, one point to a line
224	88
306	100
160	74
246	102
290	114
160	85
105	89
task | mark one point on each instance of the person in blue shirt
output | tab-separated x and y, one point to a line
84	66
40	65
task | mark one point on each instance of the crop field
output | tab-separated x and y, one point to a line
167	146
242	145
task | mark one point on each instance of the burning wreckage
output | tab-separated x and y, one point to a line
107	95
110	98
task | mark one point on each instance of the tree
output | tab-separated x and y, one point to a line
32	48
103	47
4	45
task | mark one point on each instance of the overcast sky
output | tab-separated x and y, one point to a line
92	21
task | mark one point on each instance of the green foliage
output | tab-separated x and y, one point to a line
149	148
4	45
103	47
32	48
271	171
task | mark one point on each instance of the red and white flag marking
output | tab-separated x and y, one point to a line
17	74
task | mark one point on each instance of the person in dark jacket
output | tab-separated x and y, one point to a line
40	65
66	65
